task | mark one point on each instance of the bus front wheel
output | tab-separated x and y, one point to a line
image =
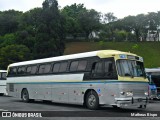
92	100
25	95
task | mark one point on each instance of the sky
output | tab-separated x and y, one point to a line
120	8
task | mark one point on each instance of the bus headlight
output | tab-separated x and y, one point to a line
146	93
129	93
122	93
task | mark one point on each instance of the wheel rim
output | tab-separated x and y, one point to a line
25	95
91	100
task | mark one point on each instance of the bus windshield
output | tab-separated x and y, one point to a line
130	68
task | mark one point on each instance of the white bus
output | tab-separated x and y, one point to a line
104	77
3	82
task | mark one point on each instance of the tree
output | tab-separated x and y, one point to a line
9	21
49	39
136	24
71	14
109	17
90	21
13	53
28	28
7	39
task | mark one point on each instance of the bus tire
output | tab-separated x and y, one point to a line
92	100
25	95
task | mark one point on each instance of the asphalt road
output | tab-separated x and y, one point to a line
8	104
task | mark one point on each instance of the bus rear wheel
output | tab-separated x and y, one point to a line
25	95
92	100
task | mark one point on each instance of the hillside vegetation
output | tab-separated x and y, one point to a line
150	51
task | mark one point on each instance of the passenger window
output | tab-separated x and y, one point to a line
78	65
73	66
82	65
56	67
3	76
99	67
109	69
29	70
12	71
41	69
21	70
44	68
97	70
63	67
104	69
47	68
32	69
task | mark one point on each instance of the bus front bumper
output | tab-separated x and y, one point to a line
128	102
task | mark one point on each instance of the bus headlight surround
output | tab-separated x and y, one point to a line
129	93
122	93
146	93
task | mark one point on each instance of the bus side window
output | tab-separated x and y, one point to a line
63	67
78	65
82	65
110	69
3	76
45	68
12	71
21	70
32	69
73	66
97	70
56	67
41	69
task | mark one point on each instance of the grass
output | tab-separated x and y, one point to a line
150	51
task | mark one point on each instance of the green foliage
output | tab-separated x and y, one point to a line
101	44
89	21
9	21
71	14
109	17
79	20
148	50
43	30
7	39
13	53
121	35
50	32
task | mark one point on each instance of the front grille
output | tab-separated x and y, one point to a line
138	92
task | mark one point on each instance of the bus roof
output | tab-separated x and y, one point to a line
152	69
99	53
3	71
